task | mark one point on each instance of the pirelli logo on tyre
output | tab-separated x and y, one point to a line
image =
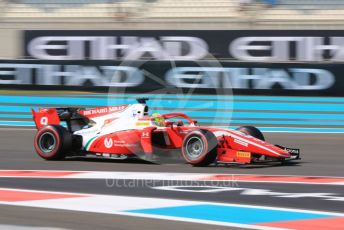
243	154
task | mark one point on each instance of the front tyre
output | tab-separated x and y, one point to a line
252	131
200	148
53	142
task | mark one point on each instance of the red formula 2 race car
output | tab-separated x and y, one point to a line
129	131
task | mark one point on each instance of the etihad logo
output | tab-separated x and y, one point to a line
117	47
108	142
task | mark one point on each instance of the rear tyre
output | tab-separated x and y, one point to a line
53	142
252	131
200	148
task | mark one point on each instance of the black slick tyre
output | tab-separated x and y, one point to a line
252	131
53	142
200	148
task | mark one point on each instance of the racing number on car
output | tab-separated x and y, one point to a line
44	121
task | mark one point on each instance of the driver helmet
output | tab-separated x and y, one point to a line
158	119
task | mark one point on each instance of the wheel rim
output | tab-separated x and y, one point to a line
194	147
47	142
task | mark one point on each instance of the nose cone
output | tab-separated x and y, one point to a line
268	149
282	152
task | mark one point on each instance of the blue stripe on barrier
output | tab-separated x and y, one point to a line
255	105
289	99
288	106
203	108
260	106
268	115
255	115
233	121
285	106
216	114
293	129
11	108
301	130
264	129
219	115
11	116
17	123
243	122
235	115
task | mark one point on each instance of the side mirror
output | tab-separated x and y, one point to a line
179	123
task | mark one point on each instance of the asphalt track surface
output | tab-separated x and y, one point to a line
321	156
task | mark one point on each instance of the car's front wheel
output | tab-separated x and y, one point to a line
200	148
252	131
53	142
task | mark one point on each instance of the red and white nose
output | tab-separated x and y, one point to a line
283	152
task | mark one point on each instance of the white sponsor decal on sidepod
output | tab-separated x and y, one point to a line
108	143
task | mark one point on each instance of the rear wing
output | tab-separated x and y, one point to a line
45	117
54	116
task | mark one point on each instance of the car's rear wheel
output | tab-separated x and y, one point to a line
53	142
200	148
252	131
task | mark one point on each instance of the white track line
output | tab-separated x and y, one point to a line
163	176
167	173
